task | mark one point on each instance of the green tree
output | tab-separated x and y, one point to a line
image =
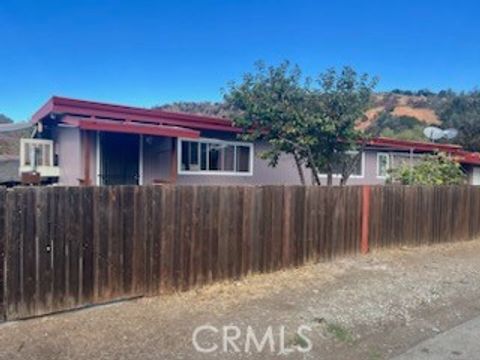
272	107
462	112
436	169
340	100
399	127
313	121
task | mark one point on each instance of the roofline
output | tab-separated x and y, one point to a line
62	105
46	109
415	145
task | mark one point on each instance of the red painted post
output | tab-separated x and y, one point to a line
365	218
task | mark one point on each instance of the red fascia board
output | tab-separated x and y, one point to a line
145	119
90	108
415	145
68	106
92	105
131	128
466	157
46	109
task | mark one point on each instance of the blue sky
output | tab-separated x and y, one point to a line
145	53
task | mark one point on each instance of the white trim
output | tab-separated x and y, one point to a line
98	180
23	156
212	172
352	176
140	159
378	164
44	171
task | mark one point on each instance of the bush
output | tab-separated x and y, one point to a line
436	169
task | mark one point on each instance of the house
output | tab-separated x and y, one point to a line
79	142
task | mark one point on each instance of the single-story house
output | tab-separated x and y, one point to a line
84	142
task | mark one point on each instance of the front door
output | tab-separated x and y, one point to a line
119	159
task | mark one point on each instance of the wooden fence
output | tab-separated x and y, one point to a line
65	248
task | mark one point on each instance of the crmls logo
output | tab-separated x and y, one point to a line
231	339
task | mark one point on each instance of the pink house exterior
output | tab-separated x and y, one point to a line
94	143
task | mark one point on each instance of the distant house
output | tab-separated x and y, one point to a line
84	142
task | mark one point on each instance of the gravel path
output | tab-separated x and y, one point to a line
368	307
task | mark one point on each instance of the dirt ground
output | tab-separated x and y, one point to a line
367	307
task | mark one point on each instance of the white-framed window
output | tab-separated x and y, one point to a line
215	157
358	170
383	164
36	153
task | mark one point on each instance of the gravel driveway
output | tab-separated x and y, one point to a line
367	307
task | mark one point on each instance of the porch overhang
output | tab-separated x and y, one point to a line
130	127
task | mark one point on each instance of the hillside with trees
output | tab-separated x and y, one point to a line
10	141
398	113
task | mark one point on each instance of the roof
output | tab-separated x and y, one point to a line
460	155
90	109
414	145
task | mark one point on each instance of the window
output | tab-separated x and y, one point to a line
36	152
209	156
358	166
383	164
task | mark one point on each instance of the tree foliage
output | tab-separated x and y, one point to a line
400	127
462	112
436	169
311	120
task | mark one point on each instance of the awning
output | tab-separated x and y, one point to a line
130	127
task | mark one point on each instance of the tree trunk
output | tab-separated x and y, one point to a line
313	167
329	178
299	168
315	176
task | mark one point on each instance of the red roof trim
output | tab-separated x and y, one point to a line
61	105
131	127
43	111
415	145
460	155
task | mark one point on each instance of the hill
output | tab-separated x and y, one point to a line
10	141
400	114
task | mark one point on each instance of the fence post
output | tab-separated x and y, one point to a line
365	218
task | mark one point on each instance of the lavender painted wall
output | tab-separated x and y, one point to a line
68	151
157	158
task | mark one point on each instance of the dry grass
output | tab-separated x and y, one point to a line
425	115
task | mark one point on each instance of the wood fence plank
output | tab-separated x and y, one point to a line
64	247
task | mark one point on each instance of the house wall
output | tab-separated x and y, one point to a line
68	152
157	164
